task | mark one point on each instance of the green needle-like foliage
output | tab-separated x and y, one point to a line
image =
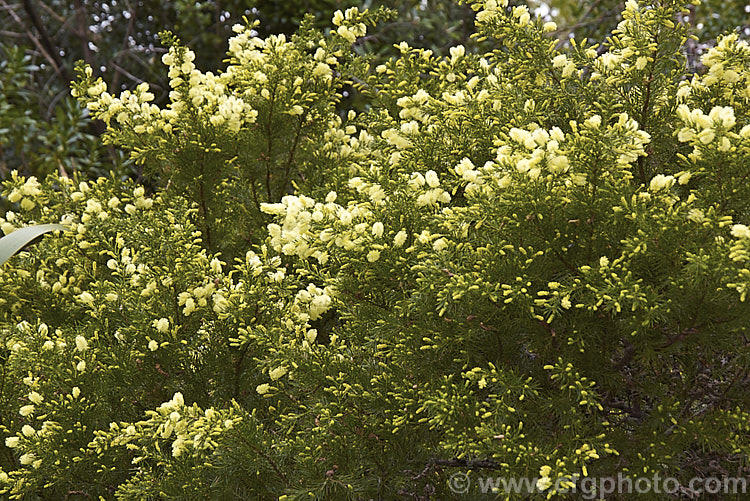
530	263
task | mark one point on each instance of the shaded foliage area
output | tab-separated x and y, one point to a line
530	260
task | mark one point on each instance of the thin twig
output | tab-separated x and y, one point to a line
37	43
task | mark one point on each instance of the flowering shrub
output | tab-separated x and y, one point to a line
528	263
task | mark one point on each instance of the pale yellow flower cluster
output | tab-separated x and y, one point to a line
491	9
727	74
26	193
190	429
739	252
308	228
130	109
412	107
661	182
398	138
530	153
245	47
740	249
634	50
199	297
540	154
522	15
373	191
314	300
544	482
702	130
348	26
6	223
209	94
427	188
727	64
292	237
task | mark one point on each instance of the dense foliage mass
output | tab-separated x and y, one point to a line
531	262
41	128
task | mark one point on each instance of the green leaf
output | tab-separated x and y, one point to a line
10	244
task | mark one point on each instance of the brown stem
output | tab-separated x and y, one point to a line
46	41
487	464
627	355
292	152
255	195
559	256
116	61
645	110
120	70
204	209
269	145
238	370
634	411
44	46
265	456
691	47
83	32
